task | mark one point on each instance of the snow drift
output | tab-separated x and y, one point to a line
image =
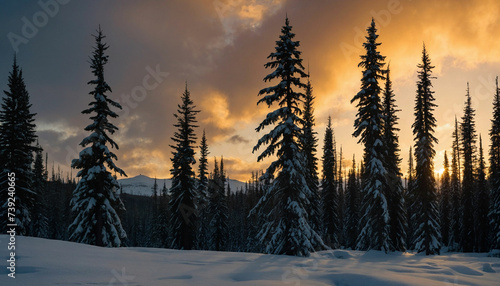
50	262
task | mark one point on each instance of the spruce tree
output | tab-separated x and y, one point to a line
40	222
468	148
375	221
218	209
184	195
455	194
409	202
351	216
163	218
427	235
154	224
95	203
494	178
203	166
17	135
481	205
329	195
287	227
203	223
341	198
395	196
445	202
309	145
456	147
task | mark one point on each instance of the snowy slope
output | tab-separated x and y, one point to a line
48	262
142	185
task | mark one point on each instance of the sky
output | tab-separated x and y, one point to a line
219	48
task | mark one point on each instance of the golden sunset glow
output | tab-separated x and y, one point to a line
220	48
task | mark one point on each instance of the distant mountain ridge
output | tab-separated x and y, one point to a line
143	185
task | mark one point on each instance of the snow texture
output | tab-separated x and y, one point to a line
44	262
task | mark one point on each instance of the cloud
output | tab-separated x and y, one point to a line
236	139
216	106
220	48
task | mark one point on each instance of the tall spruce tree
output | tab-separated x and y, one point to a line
183	193
445	202
286	228
455	193
427	234
468	141
17	135
309	143
494	178
351	214
375	221
481	205
95	203
329	195
395	196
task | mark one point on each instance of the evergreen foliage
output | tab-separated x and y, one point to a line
17	135
95	203
163	218
287	227
218	209
375	221
40	224
481	205
468	148
204	222
183	193
445	202
410	202
456	193
394	193
427	235
329	195
352	200
494	177
309	143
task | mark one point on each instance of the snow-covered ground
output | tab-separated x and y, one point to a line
142	185
49	262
